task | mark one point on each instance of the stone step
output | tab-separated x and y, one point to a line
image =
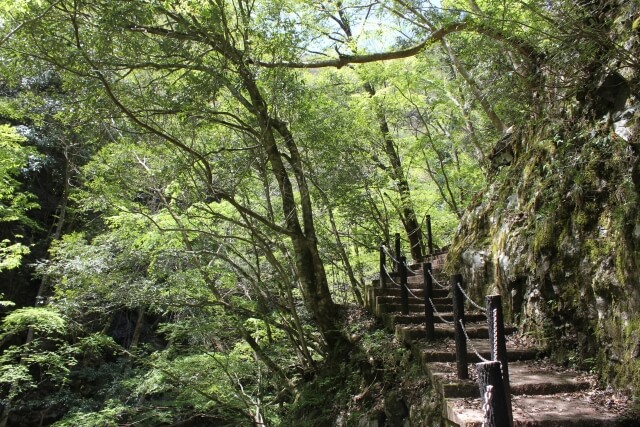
543	395
444	351
416	273
397	299
526	378
414	307
417	291
412	281
417	299
442	279
396	275
559	410
409	333
391	320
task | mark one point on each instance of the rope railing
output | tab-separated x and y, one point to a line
422	236
494	342
389	254
400	285
391	278
493	373
473	347
435	311
438	283
486	406
473	303
409	269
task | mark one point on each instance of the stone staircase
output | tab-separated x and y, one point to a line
543	394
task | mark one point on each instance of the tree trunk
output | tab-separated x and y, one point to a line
137	332
309	265
407	212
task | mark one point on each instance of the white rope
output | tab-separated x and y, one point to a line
470	343
494	354
386	251
399	285
438	314
391	278
486	406
412	294
469	299
412	271
438	283
414	231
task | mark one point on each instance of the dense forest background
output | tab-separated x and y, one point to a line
194	192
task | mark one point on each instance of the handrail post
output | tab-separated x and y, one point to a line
429	236
428	294
498	345
383	272
492	392
458	318
397	253
404	290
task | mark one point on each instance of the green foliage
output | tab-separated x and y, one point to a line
11	254
203	180
14	204
42	320
110	416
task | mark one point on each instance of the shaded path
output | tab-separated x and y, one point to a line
544	394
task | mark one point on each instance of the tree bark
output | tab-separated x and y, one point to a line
137	332
407	212
309	265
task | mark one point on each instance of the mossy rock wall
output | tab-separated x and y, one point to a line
557	234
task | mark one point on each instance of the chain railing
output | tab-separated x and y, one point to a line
486	406
473	347
435	311
399	285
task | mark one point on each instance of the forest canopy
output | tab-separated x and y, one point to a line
204	185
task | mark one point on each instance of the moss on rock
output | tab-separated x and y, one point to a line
557	232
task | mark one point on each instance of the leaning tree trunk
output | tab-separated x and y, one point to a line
407	212
309	265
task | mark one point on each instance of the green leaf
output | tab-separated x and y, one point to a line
42	319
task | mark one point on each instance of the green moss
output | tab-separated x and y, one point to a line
619	360
580	219
581	208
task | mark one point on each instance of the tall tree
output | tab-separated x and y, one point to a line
338	12
188	63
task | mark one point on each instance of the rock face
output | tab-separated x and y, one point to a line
557	234
612	95
395	409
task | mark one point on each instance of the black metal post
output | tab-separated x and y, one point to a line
404	289
429	235
397	253
498	343
383	271
458	318
428	294
493	395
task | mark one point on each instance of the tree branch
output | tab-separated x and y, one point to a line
343	60
518	45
